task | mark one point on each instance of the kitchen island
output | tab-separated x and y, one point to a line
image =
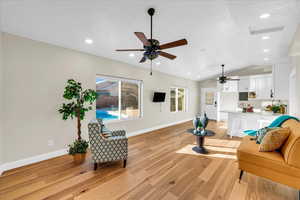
239	121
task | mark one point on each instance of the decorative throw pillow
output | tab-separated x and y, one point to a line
100	121
274	139
105	135
261	134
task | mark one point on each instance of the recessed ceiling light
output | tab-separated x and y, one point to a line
266	59
265	37
89	41
131	55
266	50
158	63
264	16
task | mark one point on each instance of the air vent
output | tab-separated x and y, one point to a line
254	31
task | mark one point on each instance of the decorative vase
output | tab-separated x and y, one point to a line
196	122
197	125
79	158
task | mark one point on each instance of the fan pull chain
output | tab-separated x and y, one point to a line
151	68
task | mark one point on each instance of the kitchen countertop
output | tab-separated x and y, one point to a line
263	113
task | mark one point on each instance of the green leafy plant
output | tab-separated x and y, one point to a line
200	125
79	146
79	102
275	108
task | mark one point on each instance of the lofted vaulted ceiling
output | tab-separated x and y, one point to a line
217	30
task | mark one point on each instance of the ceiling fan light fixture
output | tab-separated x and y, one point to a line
223	79
152	47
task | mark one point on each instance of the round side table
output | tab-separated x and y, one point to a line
200	136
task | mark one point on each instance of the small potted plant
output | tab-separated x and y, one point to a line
79	102
78	150
275	108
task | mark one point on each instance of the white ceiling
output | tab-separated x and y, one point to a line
217	30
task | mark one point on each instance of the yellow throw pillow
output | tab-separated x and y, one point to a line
274	139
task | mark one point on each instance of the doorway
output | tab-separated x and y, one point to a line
209	102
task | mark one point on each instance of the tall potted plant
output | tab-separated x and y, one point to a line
79	102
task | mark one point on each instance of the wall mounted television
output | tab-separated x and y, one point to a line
159	97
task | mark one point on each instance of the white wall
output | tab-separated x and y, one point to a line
295	57
36	74
296	61
1	94
292	92
1	103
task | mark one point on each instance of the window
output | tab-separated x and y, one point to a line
118	98
178	100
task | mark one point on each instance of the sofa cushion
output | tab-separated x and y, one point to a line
291	148
248	151
274	139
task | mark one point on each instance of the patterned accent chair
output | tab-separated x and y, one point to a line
108	149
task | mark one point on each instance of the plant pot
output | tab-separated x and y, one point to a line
79	158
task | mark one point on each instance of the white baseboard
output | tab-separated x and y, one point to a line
139	132
30	160
46	156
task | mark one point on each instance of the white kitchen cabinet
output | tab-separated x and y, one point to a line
260	84
258	87
252	84
281	74
269	87
263	86
244	84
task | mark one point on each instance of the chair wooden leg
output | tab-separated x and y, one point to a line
124	163
95	166
241	175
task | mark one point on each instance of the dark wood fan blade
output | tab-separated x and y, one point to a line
130	49
173	44
143	59
232	79
167	55
143	38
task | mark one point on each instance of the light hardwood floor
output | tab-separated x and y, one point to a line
161	165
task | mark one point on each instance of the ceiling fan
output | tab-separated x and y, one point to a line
223	79
151	47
